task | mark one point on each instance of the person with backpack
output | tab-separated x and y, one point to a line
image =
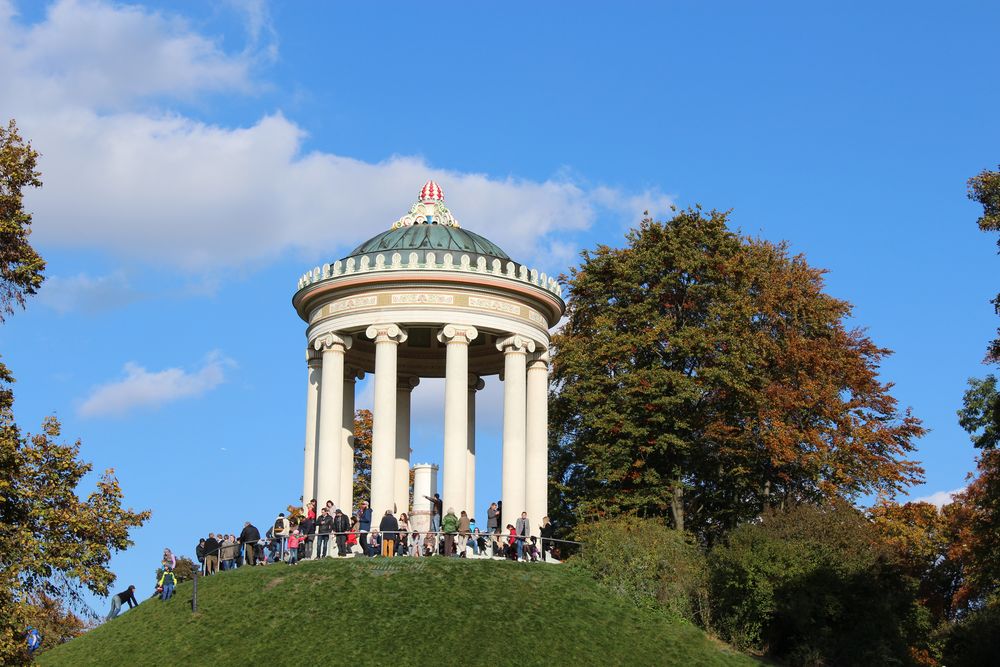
166	583
119	599
449	525
33	638
281	531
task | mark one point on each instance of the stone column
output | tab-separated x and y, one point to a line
387	338
424	486
475	384
515	349
456	413
315	363
401	471
536	489
331	414
346	500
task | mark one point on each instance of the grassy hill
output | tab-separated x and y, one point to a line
395	611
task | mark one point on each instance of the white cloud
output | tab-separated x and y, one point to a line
126	176
87	294
140	388
940	498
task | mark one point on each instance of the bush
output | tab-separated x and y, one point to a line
647	562
974	640
814	586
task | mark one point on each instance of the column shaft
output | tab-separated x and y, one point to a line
331	413
312	426
387	338
346	500
515	351
456	414
536	441
475	384
401	484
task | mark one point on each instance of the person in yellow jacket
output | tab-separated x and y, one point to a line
166	583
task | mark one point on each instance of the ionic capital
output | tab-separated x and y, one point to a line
539	361
407	382
332	342
476	383
516	344
386	333
457	333
313	358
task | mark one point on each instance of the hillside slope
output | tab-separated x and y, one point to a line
394	611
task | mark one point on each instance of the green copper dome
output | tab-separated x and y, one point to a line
424	238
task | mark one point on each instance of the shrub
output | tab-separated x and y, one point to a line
647	562
974	640
814	586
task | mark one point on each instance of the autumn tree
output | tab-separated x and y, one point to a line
362	455
54	545
984	188
20	266
704	376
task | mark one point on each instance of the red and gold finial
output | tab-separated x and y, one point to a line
431	192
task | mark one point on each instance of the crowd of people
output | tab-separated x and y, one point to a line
330	532
321	532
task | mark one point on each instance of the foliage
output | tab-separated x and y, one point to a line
980	413
647	562
55	624
984	188
430	611
976	545
52	542
920	539
20	266
813	585
975	640
184	569
363	455
707	376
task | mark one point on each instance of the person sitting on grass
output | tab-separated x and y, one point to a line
374	542
531	549
288	558
166	583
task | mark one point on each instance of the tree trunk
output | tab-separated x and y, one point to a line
677	505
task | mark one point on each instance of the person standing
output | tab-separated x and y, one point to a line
211	554
119	599
199	552
365	526
325	527
227	552
464	528
436	512
281	530
449	525
523	528
389	528
166	583
493	527
341	527
168	559
546	532
248	538
402	546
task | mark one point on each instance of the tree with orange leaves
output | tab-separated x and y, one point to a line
704	376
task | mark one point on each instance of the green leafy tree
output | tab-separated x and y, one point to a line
705	376
20	266
816	586
980	413
54	545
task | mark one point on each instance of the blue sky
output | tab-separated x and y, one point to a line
198	157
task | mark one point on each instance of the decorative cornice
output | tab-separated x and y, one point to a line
516	344
457	333
396	262
331	341
386	333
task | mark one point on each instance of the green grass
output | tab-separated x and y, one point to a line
398	611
